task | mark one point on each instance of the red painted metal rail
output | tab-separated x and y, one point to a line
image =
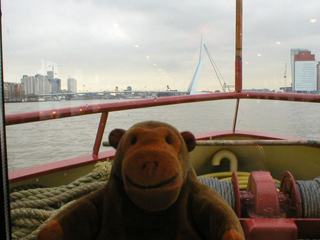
126	105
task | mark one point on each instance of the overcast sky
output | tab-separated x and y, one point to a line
154	43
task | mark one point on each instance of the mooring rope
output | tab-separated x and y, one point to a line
33	206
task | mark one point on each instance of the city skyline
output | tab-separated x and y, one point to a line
46	84
154	44
305	78
304	57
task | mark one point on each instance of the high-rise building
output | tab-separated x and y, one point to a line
72	85
43	85
55	85
28	84
13	92
304	71
35	85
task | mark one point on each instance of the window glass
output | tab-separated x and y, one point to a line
61	54
295	119
38	143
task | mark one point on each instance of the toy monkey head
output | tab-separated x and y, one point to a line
152	161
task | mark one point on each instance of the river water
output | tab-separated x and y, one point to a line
48	141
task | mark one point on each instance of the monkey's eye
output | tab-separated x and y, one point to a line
168	140
134	140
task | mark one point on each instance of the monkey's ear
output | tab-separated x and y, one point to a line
115	137
189	140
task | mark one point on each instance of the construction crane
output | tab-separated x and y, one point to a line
285	78
52	66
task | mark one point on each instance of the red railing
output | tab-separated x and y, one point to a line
126	105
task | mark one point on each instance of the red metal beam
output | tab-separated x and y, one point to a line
238	52
269	228
280	228
236	115
100	132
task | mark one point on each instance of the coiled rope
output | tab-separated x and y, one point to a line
33	206
224	188
309	197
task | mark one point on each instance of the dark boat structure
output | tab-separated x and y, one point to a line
275	197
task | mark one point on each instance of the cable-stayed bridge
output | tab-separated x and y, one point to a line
132	94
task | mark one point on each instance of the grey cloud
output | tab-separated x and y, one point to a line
112	39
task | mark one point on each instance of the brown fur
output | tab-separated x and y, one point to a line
153	193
